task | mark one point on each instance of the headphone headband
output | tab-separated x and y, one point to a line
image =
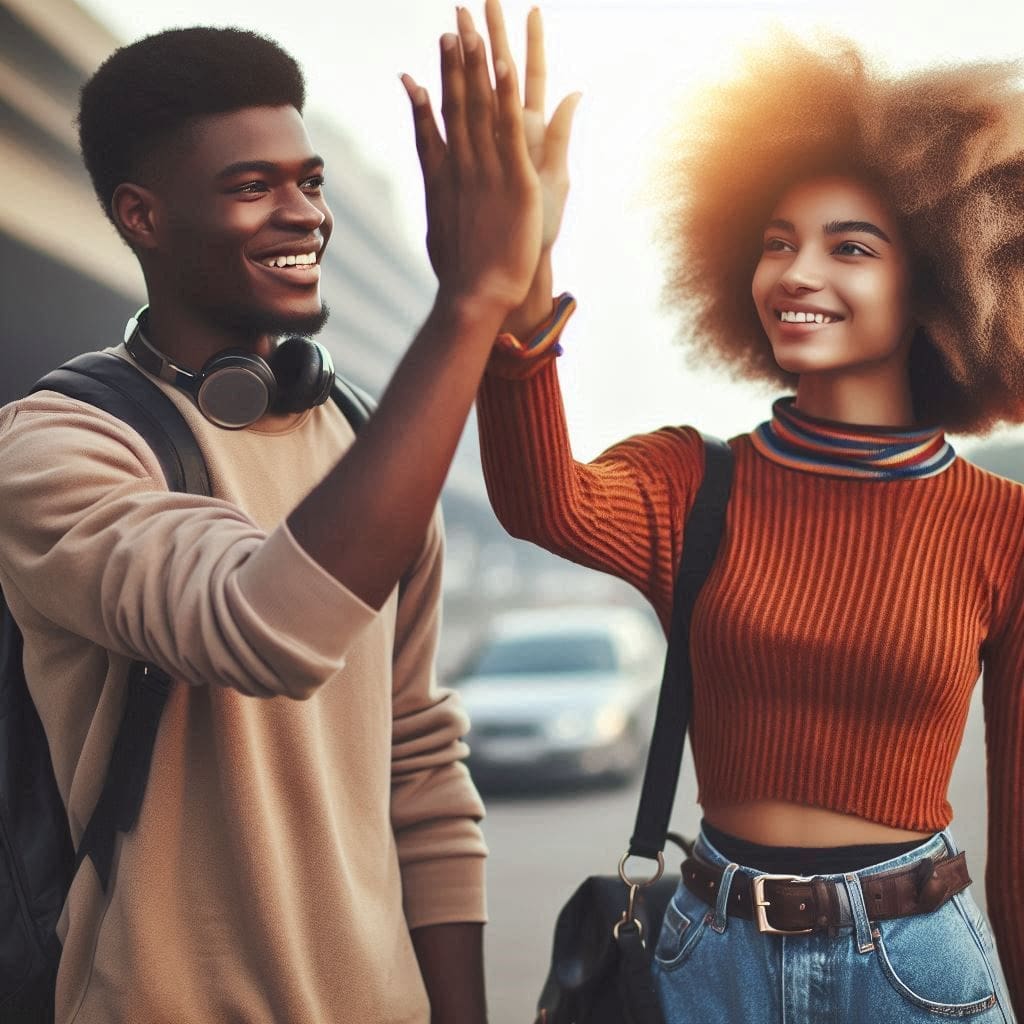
152	359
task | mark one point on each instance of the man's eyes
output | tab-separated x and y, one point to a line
314	184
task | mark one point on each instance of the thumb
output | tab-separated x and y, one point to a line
556	138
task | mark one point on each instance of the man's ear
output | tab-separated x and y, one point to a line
135	212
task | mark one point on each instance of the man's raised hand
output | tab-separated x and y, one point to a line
483	193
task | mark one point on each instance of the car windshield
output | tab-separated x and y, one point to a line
565	652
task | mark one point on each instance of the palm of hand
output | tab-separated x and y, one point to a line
554	179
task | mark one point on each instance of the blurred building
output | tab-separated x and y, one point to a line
68	282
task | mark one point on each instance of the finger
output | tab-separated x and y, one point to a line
556	138
453	103
511	138
429	144
535	80
500	50
479	94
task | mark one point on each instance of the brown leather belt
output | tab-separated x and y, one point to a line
789	905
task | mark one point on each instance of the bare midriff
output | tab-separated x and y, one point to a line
780	823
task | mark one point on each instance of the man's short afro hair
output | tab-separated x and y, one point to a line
147	91
944	147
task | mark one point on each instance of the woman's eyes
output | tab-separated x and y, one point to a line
843	249
852	249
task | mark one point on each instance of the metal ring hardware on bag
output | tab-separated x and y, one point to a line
634	886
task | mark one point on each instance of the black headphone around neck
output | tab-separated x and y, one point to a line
235	387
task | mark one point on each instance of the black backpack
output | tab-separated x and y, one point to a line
37	858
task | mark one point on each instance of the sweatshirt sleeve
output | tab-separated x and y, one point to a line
435	809
1004	743
92	541
623	513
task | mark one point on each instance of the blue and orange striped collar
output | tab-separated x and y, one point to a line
795	439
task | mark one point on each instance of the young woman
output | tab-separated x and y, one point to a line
857	238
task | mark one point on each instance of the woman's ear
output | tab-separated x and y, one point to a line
134	211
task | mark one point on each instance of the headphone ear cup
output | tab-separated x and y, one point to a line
235	388
304	372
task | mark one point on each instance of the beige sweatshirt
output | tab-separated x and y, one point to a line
307	805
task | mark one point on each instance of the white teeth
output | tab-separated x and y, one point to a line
302	260
305	259
790	317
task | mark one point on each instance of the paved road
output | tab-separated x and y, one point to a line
542	847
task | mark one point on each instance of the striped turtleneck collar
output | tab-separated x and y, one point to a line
795	439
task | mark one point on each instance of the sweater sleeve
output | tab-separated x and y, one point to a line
623	513
1004	742
435	808
92	542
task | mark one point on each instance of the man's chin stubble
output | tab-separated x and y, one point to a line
259	322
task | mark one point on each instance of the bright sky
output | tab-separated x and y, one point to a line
622	372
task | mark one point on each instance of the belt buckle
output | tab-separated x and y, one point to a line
761	905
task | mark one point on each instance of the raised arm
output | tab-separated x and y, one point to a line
484	234
622	513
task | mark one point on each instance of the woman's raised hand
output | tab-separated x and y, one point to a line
547	141
485	215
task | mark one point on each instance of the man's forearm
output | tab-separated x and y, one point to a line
366	519
451	958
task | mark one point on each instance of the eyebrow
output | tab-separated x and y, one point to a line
264	167
836	227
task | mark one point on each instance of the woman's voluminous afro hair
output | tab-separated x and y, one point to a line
944	146
147	91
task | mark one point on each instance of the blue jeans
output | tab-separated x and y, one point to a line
710	969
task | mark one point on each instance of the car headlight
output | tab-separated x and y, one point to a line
609	723
569	727
577	726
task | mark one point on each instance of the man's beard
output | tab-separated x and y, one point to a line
260	322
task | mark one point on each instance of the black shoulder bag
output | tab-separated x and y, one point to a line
600	961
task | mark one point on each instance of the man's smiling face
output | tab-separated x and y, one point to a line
244	222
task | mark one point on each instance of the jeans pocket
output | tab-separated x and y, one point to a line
686	919
937	963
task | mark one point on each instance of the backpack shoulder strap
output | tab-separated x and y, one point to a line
115	386
356	405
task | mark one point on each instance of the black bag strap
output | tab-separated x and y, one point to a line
356	405
114	385
703	536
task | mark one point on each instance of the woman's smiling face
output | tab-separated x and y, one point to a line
832	286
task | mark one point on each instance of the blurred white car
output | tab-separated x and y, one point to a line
562	694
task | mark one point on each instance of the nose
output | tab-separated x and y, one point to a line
298	211
803	274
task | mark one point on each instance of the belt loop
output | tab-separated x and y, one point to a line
865	944
718	922
947	838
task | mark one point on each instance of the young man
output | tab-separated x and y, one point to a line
308	847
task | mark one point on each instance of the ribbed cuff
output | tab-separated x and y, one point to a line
448	891
517	360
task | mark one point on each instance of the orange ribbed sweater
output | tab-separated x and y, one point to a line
838	639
